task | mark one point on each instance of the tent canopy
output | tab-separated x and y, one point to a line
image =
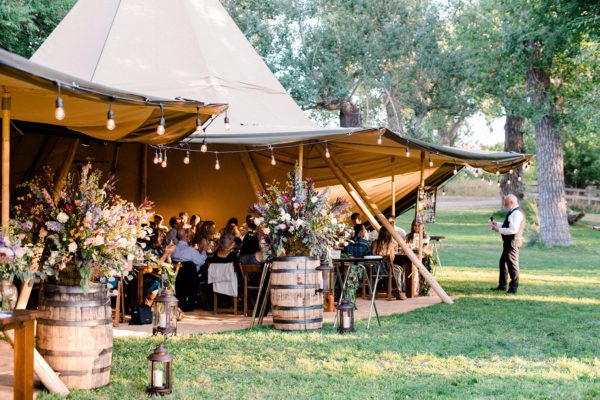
34	88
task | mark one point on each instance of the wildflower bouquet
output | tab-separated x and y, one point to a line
88	228
297	220
16	254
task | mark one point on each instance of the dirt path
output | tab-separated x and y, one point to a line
459	203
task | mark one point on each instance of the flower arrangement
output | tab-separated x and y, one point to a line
88	228
16	254
297	220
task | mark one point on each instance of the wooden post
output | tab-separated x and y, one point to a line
23	361
59	180
351	190
144	173
393	188
252	173
301	159
421	225
6	106
409	253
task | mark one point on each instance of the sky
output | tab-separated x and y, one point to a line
485	133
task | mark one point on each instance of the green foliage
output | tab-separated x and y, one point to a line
25	24
540	344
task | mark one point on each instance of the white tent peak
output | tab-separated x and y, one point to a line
178	48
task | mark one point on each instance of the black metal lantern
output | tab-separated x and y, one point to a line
345	316
325	268
164	313
160	371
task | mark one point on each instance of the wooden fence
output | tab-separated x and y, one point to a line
590	196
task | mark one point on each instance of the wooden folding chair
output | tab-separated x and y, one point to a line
245	269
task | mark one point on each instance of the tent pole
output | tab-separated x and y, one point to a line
393	188
352	192
422	224
252	173
144	171
301	159
409	253
59	180
6	106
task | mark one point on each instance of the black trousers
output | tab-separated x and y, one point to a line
186	287
509	263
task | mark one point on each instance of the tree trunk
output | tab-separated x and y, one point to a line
392	110
350	115
513	141
554	227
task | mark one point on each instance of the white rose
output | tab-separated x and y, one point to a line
72	247
258	220
62	217
98	240
314	199
334	220
299	222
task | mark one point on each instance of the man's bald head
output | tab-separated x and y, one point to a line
510	201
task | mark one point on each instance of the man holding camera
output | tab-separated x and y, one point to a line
512	239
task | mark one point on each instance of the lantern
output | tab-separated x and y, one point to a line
325	268
345	316
164	313
160	371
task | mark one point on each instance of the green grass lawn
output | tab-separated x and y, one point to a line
542	344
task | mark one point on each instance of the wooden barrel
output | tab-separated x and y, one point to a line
76	339
295	302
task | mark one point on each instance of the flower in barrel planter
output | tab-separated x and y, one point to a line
15	257
298	220
88	229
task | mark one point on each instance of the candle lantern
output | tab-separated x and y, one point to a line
345	316
325	268
160	371
164	313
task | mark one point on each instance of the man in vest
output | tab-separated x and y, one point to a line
512	239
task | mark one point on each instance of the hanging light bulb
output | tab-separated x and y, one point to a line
497	172
59	112
186	159
455	170
204	147
217	165
164	160
482	178
519	178
476	172
198	121
443	192
511	171
160	129
226	120
160	157
156	161
527	166
489	182
273	161
327	151
508	181
110	118
430	162
407	151
379	138
498	182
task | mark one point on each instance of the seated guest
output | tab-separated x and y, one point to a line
228	226
194	221
175	224
204	238
401	232
183	216
412	239
244	228
232	229
187	282
387	248
355	219
250	251
225	251
158	223
359	245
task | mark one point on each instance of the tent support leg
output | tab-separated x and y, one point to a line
6	107
252	173
59	179
409	253
350	189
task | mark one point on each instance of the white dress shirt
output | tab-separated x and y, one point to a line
515	219
184	252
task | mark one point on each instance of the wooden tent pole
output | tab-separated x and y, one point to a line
407	250
59	180
144	173
422	224
6	106
252	173
301	159
352	192
393	188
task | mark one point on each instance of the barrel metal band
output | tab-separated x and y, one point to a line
294	271
71	304
83	373
291	308
307	286
64	353
94	322
297	321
